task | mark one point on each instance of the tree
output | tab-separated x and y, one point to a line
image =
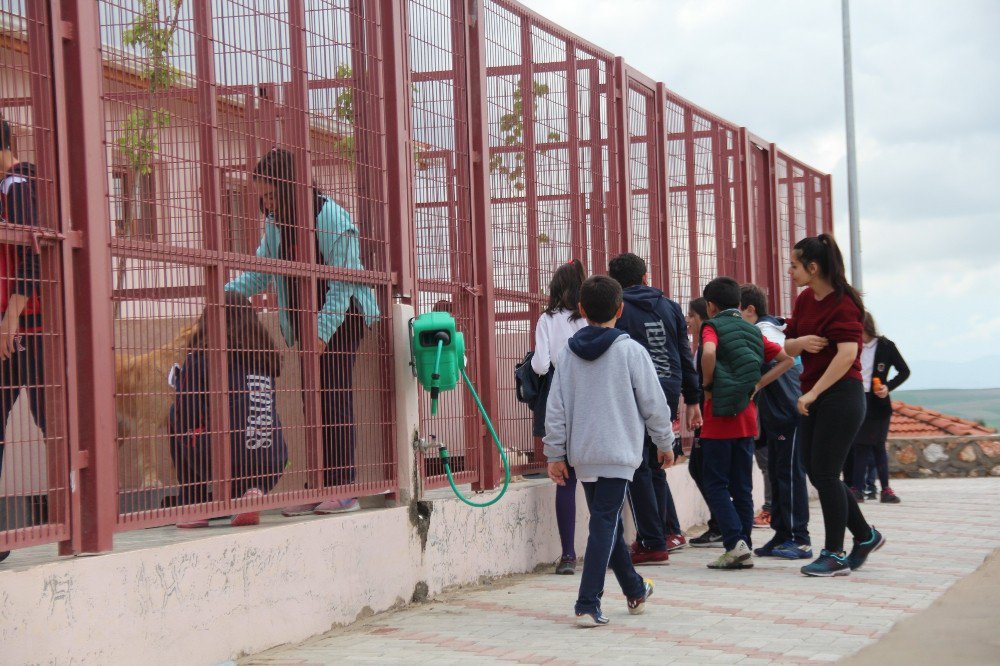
151	35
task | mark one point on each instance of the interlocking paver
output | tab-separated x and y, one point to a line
768	615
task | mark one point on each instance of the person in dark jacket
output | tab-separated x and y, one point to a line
778	420
878	356
658	324
258	450
21	324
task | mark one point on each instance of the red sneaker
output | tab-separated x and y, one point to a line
250	517
675	542
642	555
762	519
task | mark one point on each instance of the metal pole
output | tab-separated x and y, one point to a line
852	162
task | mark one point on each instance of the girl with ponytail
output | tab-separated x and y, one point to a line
825	330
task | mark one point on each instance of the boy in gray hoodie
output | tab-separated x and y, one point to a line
605	396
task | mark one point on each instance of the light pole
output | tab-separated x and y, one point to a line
852	161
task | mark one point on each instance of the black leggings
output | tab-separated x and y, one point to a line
827	435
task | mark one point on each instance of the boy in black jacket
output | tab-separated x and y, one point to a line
21	325
778	418
658	324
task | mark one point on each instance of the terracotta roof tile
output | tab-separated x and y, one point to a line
915	421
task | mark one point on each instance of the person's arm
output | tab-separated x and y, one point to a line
841	363
811	344
252	283
542	358
338	246
784	363
554	442
652	404
21	211
690	379
708	348
902	370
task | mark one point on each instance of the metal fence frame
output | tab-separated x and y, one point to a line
474	216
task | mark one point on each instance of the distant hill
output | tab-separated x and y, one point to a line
973	404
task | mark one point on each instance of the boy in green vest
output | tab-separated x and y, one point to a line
733	352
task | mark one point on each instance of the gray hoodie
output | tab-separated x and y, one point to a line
605	395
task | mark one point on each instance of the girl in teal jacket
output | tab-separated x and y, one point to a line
347	309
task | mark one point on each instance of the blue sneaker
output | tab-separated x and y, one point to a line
767	550
827	565
638	606
862	549
790	550
595	619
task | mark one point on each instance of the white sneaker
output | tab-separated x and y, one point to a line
338	506
300	510
740	557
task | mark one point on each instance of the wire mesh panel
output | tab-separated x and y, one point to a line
551	179
763	265
250	272
646	183
443	218
34	451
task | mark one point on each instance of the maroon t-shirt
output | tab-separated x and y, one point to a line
835	318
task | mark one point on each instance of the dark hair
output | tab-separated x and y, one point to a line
699	306
564	290
246	337
868	325
822	250
601	297
724	292
6	136
751	294
277	168
628	269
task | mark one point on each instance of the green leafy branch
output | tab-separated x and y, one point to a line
512	134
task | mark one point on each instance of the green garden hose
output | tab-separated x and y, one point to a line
443	451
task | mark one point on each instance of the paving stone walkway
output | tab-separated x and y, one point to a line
942	532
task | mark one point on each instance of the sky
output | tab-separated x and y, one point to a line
927	117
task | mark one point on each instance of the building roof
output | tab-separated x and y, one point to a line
915	421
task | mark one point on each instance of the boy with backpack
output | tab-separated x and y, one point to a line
658	324
603	400
733	351
779	423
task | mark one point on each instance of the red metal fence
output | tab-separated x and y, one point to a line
452	154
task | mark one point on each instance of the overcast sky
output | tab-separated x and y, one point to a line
927	107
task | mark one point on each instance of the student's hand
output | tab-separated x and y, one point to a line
666	458
558	472
805	401
693	415
8	333
882	392
813	343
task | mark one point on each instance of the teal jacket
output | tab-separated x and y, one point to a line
337	239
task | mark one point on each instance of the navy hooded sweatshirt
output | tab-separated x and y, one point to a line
657	323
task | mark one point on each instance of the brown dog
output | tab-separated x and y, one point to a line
143	399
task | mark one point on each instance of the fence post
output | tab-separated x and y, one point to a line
746	244
660	145
81	114
621	156
778	287
402	242
482	229
214	241
827	204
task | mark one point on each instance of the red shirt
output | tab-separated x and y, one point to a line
836	318
743	424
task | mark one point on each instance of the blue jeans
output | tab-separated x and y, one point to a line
650	500
789	490
727	469
606	545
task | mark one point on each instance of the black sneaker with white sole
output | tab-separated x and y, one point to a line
709	539
827	565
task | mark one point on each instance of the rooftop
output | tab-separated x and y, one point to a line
916	421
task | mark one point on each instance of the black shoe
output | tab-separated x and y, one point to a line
566	566
889	497
862	549
827	565
4	554
871	494
709	539
767	550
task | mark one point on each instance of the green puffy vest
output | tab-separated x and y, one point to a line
739	356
